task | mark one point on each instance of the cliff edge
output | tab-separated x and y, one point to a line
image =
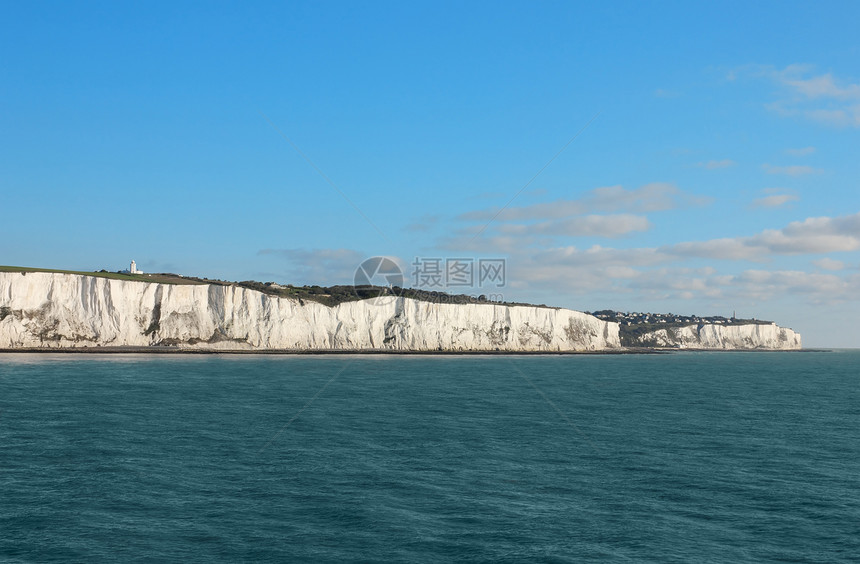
55	310
725	337
62	310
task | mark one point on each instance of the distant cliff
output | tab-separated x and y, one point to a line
728	337
55	310
60	310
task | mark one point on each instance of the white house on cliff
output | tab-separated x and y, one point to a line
132	269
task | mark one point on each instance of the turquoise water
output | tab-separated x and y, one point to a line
717	457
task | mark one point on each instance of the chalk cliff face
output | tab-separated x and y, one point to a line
67	310
710	336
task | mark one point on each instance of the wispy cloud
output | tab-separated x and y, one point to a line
814	235
827	263
818	97
605	212
753	284
610	226
792	170
318	265
715	165
816	87
774	201
847	117
656	196
657	274
800	152
532	237
815	287
703	283
424	224
811	236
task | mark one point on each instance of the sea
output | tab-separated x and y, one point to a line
686	457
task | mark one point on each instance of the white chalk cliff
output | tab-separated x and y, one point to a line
727	337
53	310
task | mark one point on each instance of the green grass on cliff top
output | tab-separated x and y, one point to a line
159	278
326	295
334	295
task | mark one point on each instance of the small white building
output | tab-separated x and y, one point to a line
132	269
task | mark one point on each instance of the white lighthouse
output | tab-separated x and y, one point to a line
132	269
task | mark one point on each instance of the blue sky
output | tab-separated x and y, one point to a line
719	174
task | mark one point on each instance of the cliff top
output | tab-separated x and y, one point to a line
326	295
162	278
632	325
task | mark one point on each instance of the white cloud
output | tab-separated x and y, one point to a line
816	235
774	201
528	238
803	241
706	285
621	213
759	285
722	249
829	264
846	117
801	152
683	283
811	236
794	170
714	165
656	196
637	273
817	97
467	240
599	256
610	226
816	287
815	87
319	266
569	270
